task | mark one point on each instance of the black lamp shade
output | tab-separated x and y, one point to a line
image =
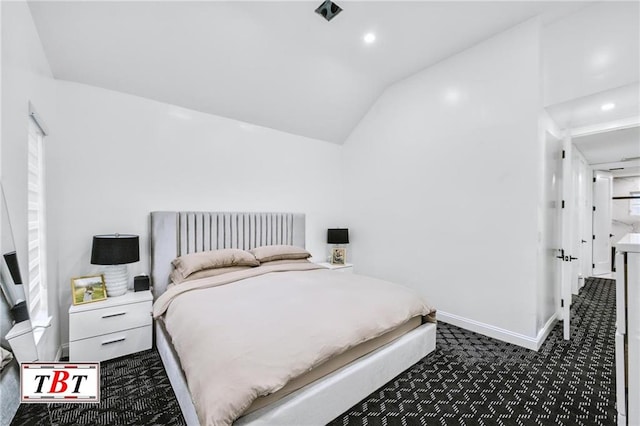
337	236
115	249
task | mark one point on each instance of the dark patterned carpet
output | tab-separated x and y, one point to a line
475	380
135	390
468	380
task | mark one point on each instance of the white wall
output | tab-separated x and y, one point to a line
592	50
443	179
26	76
116	157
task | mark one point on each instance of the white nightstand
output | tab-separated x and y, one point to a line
347	267
115	327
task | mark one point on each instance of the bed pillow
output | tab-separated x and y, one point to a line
177	278
194	262
282	252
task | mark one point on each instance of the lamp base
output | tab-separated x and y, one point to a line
116	278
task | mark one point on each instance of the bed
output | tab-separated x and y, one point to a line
325	391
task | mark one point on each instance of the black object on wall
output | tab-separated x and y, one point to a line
141	283
14	269
20	312
13	294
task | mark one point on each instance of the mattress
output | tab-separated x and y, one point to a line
335	363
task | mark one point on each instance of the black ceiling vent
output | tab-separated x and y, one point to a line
328	10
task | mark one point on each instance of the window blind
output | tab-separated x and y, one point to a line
36	288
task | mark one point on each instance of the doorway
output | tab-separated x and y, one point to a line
602	223
613	159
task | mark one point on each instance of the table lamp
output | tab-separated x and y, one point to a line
338	237
115	251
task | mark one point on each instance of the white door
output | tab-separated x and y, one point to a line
567	232
552	237
602	192
586	221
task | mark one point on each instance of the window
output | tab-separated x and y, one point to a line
37	270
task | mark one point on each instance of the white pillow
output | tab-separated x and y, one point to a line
279	252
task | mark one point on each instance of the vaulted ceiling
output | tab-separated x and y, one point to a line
275	64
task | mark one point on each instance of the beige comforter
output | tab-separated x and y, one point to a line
246	334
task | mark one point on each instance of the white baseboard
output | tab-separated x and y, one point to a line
528	342
546	329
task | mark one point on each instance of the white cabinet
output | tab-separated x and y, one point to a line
628	330
347	267
115	327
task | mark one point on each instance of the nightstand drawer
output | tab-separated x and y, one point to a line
111	345
108	320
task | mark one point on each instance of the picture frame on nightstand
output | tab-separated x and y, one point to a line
338	256
88	289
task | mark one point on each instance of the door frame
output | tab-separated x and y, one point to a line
566	256
573	233
582	217
587	268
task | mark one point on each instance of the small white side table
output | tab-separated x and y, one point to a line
347	267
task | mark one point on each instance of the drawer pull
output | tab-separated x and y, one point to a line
113	341
114	315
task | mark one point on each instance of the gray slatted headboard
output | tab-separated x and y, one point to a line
174	234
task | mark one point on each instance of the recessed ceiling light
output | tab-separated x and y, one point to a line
369	38
452	96
607	107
